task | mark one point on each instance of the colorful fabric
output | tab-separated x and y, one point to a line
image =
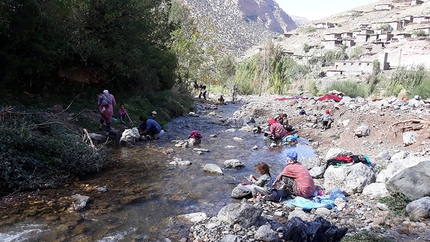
195	135
304	183
277	130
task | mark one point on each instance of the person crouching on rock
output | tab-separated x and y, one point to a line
296	178
153	129
195	138
262	185
276	130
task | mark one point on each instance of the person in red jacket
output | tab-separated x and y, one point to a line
276	130
296	178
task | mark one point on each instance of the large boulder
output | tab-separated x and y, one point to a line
350	179
400	161
335	152
419	209
243	214
413	182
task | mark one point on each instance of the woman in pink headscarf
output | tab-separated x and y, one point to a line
276	129
106	103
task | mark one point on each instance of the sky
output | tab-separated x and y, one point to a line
317	9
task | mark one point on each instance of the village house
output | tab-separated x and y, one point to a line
403	36
421	19
331	44
385	37
384	7
366	31
324	25
355	33
361	38
348	67
348	42
395	24
346	35
372	38
333	36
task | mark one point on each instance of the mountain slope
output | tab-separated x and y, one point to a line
241	24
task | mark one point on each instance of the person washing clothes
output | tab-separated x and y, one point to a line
262	185
276	130
296	178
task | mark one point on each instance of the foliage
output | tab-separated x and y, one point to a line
120	41
364	236
386	27
312	88
329	57
351	89
306	47
309	29
419	33
225	71
38	154
356	53
414	79
396	203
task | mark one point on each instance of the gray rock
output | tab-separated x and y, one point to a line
265	233
233	163
376	190
362	131
213	168
334	152
419	209
413	182
409	138
79	201
240	213
239	193
350	179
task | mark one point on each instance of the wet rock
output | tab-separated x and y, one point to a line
419	209
79	201
213	168
240	193
233	163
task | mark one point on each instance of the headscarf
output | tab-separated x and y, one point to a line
292	155
272	121
106	92
327	111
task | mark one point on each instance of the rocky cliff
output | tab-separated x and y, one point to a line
241	24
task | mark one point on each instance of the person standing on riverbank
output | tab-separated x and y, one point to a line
326	119
106	103
296	178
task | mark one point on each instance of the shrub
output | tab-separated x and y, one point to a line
37	154
413	79
350	89
364	236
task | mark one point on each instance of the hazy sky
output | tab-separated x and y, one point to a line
317	9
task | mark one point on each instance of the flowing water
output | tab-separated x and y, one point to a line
170	190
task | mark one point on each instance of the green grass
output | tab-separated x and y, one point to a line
364	236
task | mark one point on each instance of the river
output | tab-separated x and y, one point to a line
169	190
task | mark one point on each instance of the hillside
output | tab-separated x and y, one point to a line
241	24
367	29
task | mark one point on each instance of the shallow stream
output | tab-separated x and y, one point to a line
171	190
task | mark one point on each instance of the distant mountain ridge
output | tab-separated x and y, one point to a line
241	24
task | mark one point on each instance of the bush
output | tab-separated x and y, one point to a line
364	236
350	89
413	79
37	154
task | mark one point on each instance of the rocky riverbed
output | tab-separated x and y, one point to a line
374	128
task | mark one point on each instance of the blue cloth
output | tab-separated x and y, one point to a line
326	201
152	124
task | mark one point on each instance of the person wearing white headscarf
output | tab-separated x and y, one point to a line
106	103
